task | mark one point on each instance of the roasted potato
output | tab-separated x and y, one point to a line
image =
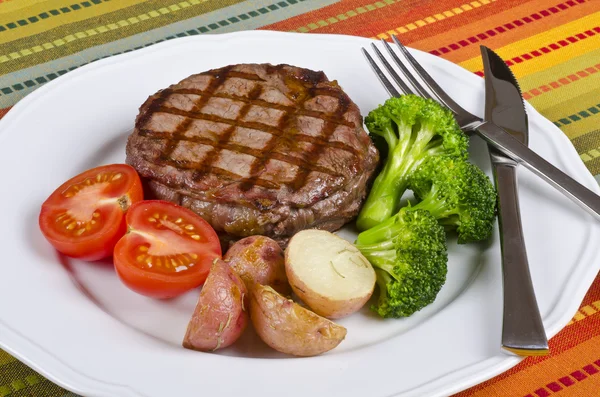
220	316
328	273
259	259
288	327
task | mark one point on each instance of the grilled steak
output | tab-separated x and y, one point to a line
255	149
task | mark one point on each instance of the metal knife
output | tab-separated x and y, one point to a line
523	333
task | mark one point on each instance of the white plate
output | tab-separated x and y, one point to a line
79	326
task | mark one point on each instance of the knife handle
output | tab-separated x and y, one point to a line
513	148
522	330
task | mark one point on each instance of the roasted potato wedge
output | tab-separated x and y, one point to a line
288	327
328	273
259	259
220	316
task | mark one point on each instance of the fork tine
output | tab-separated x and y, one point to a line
418	87
386	83
439	93
403	87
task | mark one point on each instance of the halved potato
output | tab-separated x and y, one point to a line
288	327
259	259
328	273
220	316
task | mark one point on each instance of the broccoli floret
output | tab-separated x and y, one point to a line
409	254
414	129
458	194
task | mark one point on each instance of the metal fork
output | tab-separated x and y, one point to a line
491	133
521	332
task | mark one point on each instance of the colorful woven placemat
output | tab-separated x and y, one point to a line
552	46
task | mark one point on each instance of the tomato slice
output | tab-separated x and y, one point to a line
84	217
167	250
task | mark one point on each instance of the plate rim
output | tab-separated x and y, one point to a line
71	379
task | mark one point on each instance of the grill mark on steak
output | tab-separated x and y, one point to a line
207	163
182	128
258	153
259	102
314	140
288	118
234	73
326	133
305	165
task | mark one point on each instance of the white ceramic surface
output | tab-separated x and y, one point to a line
78	325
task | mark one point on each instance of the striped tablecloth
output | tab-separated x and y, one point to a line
552	46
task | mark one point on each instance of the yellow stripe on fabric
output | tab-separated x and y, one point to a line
11	6
565	82
97	30
95	11
564	109
432	19
5	358
543	39
555	72
585	311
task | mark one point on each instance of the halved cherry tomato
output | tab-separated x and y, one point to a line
167	250
85	217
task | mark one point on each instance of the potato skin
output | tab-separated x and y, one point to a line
220	316
259	259
288	327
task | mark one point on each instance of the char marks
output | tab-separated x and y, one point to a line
302	88
255	149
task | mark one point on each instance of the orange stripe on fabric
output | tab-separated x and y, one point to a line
593	294
576	369
561	82
570	337
504	28
4	111
391	16
434	19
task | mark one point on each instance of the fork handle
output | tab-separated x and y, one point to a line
523	332
514	149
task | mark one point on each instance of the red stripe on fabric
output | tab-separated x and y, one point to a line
542	393
554	386
554	46
578	375
518	22
565	380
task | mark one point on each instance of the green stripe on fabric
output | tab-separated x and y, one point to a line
16	379
74	37
5	358
27	20
581	115
588	147
241	17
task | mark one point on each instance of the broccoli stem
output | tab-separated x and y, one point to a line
391	182
404	156
439	208
384	231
